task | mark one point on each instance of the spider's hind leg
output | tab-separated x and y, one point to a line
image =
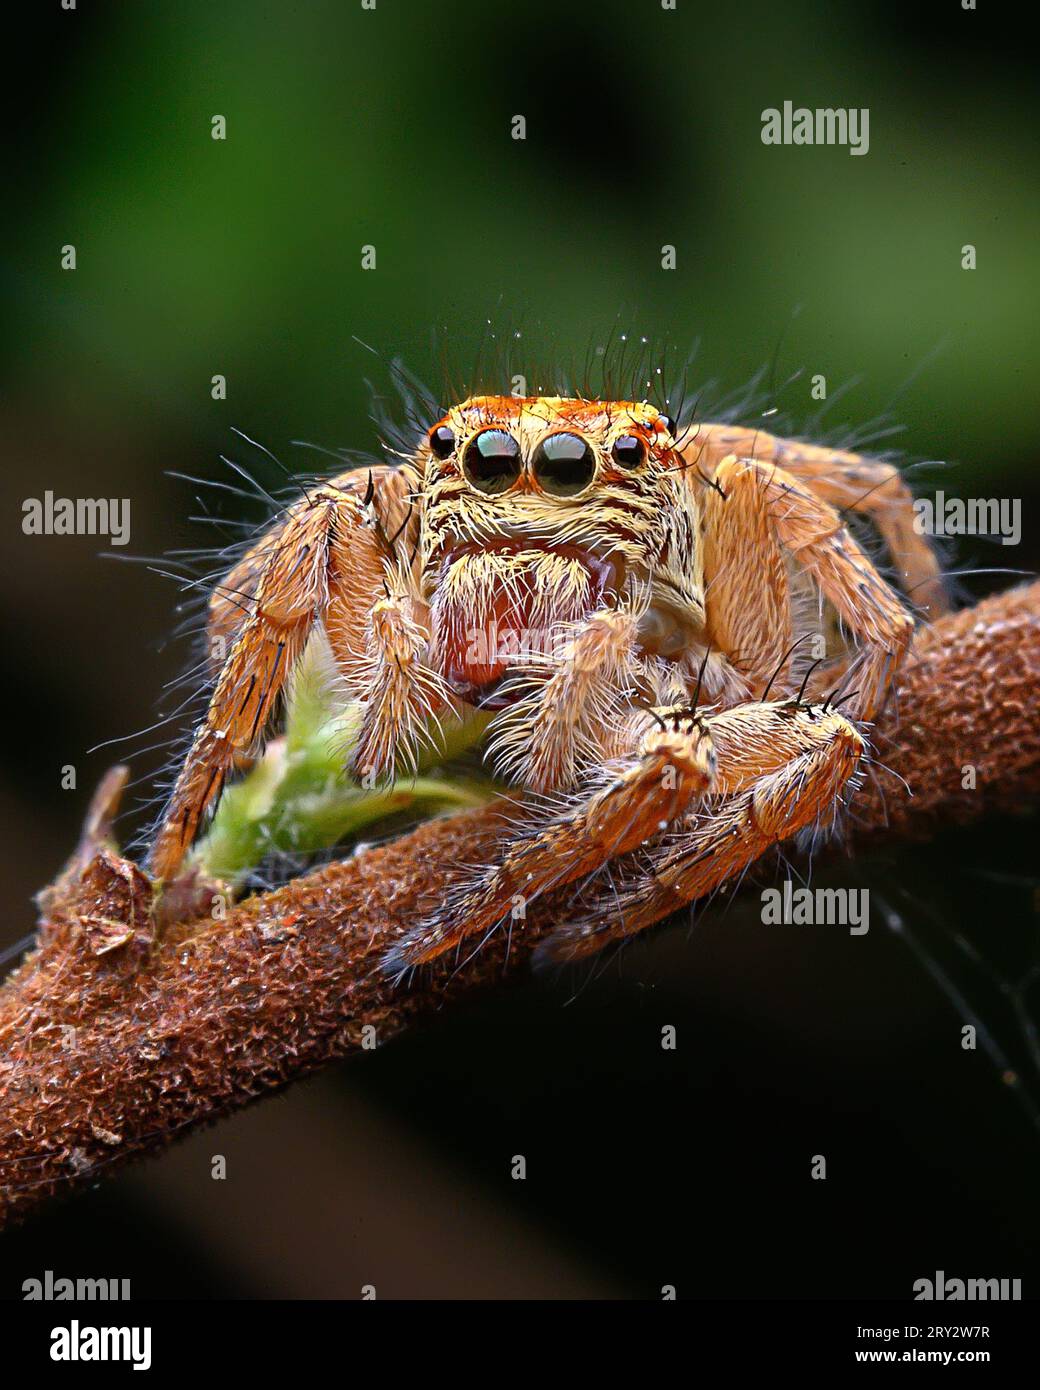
848	482
821	547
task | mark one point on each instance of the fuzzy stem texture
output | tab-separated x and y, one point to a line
116	1036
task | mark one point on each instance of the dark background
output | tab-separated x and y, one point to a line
242	257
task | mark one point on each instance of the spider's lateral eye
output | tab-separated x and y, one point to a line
492	461
667	423
628	451
442	441
564	464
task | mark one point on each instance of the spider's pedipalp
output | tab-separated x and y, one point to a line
402	696
562	722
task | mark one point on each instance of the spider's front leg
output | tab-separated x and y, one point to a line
673	764
788	760
758	506
715	847
330	546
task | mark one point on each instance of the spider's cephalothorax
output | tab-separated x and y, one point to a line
539	512
637	607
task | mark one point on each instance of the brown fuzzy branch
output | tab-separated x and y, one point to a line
113	1043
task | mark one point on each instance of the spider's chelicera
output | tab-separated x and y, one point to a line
653	622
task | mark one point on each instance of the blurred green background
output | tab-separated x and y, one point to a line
392	128
242	257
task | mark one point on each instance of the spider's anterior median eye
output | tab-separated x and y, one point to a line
492	461
564	464
442	441
628	451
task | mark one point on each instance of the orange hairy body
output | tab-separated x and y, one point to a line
652	615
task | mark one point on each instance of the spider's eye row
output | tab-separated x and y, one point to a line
492	461
564	464
442	441
628	451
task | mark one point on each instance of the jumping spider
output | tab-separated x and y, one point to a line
631	605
